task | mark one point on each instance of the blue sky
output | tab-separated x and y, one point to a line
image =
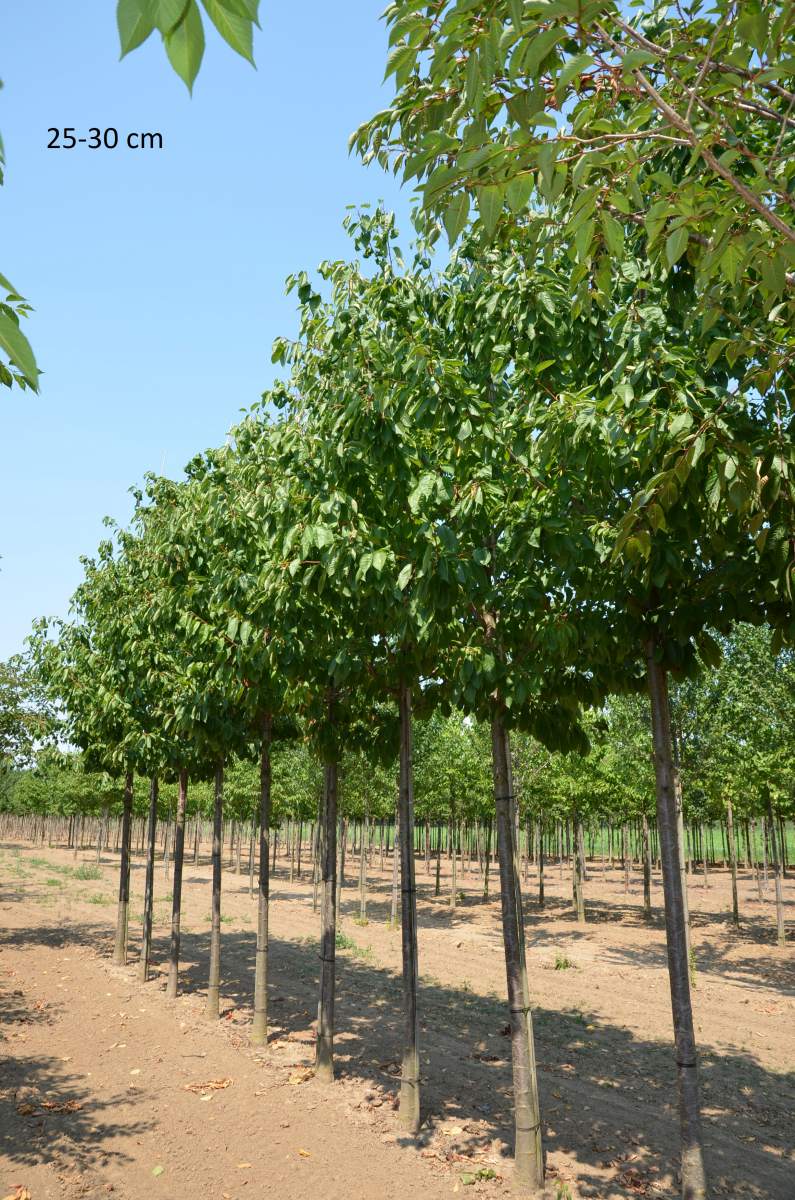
157	276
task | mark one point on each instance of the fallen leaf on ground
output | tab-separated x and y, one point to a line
305	1154
158	1170
301	1076
243	1166
61	1106
21	1193
210	1085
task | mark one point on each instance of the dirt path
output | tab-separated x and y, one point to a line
82	1034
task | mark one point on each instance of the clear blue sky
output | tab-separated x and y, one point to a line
157	276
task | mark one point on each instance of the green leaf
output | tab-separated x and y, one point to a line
539	46
167	14
489	205
136	20
405	575
614	234
455	215
518	192
235	29
185	45
573	68
18	349
481	556
676	244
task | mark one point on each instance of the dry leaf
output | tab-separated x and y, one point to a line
211	1085
243	1166
304	1154
301	1075
21	1193
64	1106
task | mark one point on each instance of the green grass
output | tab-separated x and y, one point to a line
87	871
562	962
343	942
54	882
98	898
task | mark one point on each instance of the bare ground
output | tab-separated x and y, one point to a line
96	1066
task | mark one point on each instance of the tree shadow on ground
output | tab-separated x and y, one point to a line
48	1115
608	1097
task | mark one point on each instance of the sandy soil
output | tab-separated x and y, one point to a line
96	1066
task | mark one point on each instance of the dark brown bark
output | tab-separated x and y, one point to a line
410	1079
176	893
646	870
528	1148
324	1055
122	915
146	941
259	1029
775	861
577	873
214	982
693	1173
732	861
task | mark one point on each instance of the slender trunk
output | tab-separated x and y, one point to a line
324	1057
756	864
393	913
252	837
453	880
196	839
540	843
528	1148
703	840
693	1174
410	1079
646	870
732	861
438	888
259	1029
683	868
363	871
775	861
577	872
214	982
122	916
487	862
146	942
625	854
176	893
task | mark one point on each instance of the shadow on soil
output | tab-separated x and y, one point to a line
46	1114
608	1097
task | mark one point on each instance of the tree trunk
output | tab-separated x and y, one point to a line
214	982
122	916
540	839
363	871
694	1185
646	870
410	1079
732	861
577	872
393	912
146	941
259	1029
176	892
324	1056
775	860
528	1148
